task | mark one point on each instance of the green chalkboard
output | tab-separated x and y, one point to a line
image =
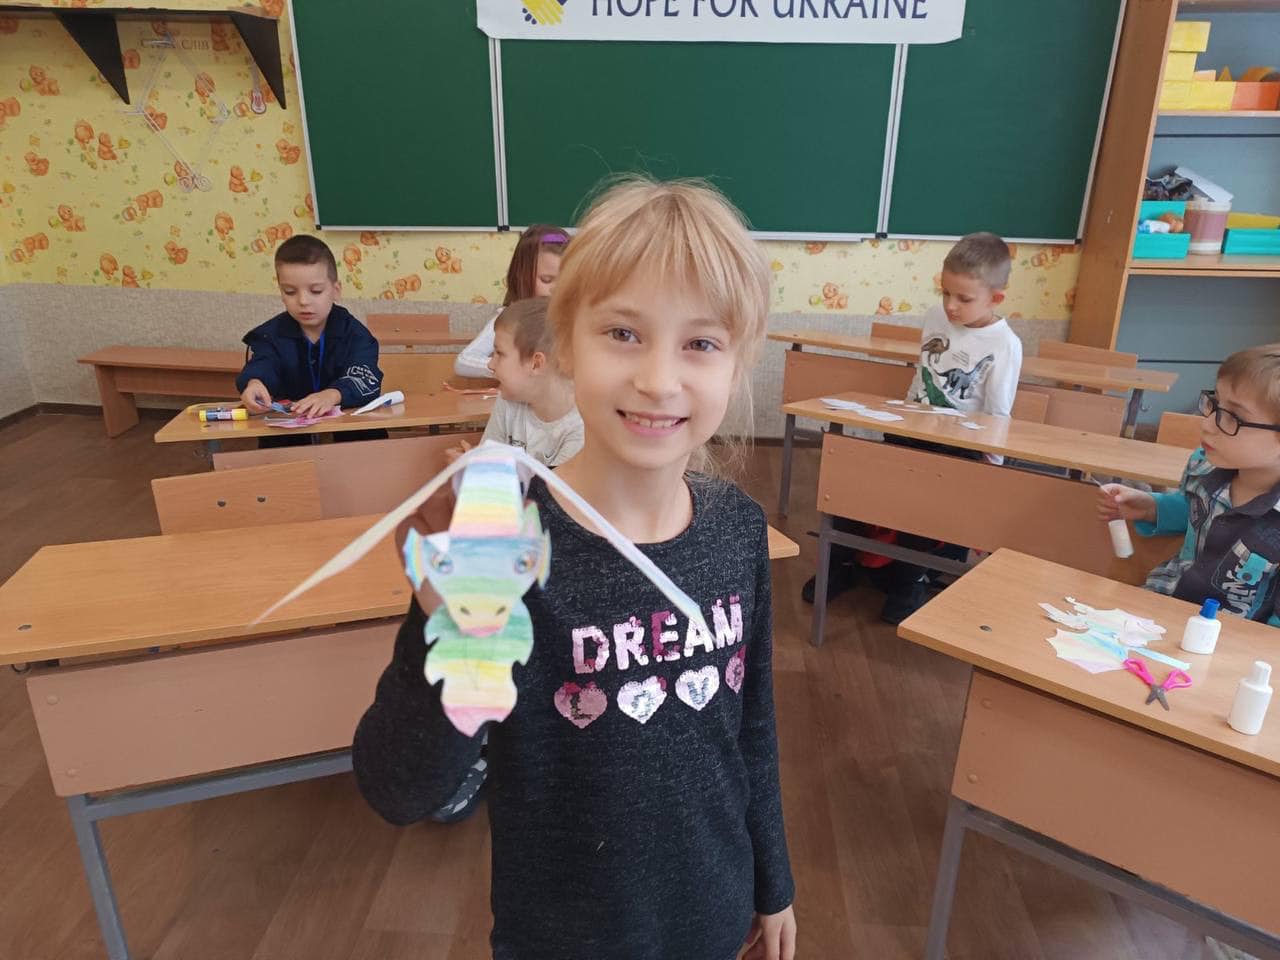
998	128
398	111
794	134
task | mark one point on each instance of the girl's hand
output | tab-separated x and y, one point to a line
772	937
453	453
316	404
256	397
432	517
1116	501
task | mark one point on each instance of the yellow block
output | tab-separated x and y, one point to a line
1211	95
1252	221
1179	66
1175	95
1190	36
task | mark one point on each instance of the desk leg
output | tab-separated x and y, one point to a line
788	441
98	877
119	412
944	888
1131	412
822	575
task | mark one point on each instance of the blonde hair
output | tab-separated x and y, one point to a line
527	321
683	232
1258	369
981	255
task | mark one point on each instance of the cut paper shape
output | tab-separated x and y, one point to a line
491	554
581	706
696	688
969	424
640	699
1104	639
896	403
291	423
862	410
386	400
735	671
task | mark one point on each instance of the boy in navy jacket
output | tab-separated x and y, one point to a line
315	353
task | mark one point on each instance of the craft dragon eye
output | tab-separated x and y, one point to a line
526	561
441	563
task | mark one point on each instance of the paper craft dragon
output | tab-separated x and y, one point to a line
482	566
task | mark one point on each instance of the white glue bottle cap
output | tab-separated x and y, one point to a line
1120	541
1253	696
1201	634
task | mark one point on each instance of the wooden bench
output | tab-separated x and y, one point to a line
124	371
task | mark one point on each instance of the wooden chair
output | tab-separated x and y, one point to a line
365	476
410	329
1076	353
275	493
1179	430
895	331
1079	409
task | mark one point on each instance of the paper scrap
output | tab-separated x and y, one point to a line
292	423
860	409
896	403
1105	637
386	400
971	425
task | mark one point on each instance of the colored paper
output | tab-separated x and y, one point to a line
1103	639
292	423
481	567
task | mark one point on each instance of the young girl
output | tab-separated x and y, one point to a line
634	801
534	266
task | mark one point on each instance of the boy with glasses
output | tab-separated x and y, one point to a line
1228	505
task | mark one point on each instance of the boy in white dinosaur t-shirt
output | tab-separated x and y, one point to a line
970	360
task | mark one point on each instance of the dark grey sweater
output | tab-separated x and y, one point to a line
633	792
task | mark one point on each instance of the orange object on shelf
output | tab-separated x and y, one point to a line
1256	96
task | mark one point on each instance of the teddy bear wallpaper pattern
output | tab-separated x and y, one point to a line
191	189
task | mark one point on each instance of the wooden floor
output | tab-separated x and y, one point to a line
868	728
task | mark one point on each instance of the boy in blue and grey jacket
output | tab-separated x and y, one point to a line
1228	504
315	353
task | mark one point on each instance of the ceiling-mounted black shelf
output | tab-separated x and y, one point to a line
96	33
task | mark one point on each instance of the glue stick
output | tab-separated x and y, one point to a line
223	413
1120	541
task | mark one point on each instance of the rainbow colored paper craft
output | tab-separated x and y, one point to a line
492	553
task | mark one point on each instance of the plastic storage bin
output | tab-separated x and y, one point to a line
1161	246
1264	243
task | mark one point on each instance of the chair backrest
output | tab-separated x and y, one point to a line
1179	430
916	491
1057	350
364	476
1080	410
415	372
895	331
407	329
809	375
1029	406
275	493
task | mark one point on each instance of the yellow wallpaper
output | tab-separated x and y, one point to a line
191	189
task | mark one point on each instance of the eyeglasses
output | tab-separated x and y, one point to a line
1227	421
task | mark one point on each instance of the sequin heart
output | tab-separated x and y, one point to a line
696	687
736	669
581	705
640	699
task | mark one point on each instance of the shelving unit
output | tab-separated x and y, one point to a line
1123	160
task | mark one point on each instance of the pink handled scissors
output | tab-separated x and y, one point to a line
1173	681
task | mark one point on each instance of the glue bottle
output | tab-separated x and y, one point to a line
1253	696
1201	635
1120	541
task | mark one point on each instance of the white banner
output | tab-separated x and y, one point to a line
735	21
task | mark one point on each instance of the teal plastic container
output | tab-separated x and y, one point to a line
1263	243
1161	246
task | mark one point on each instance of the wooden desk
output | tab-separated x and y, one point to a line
1096	376
123	371
239	706
418	410
1173	809
1155	463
